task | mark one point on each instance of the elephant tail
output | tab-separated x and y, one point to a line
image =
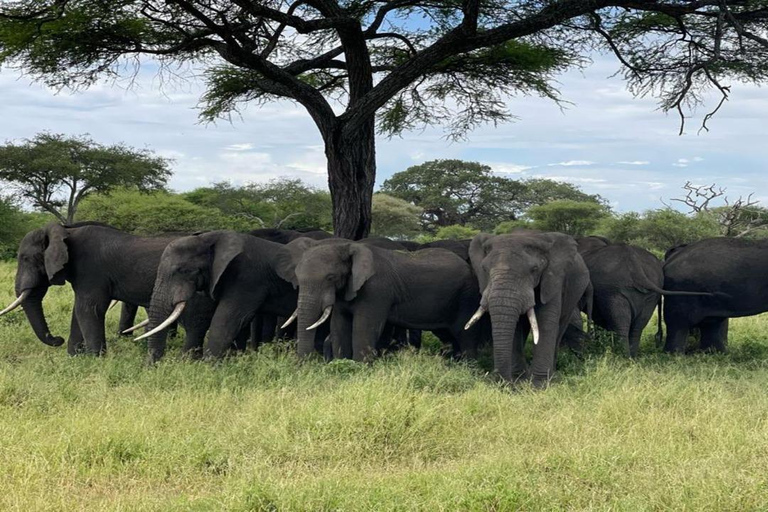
644	282
659	319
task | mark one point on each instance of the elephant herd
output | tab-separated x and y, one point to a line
349	299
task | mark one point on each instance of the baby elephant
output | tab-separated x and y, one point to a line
366	287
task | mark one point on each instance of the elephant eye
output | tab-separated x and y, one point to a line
330	277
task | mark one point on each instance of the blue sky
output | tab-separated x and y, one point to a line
607	142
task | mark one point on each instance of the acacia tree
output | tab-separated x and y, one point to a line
407	62
55	172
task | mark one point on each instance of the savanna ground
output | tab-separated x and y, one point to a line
410	432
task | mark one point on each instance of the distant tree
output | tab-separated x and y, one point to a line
55	172
543	191
282	203
737	218
394	218
14	224
658	230
155	213
455	232
468	193
566	216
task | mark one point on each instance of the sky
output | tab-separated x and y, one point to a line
606	141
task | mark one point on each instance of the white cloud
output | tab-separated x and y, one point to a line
634	162
507	168
571	163
239	147
681	162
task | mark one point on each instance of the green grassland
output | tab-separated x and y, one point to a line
410	432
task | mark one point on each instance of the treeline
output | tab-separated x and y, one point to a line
436	200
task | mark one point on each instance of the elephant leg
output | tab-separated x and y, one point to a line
677	337
384	343
91	312
341	335
256	327
638	324
544	353
240	342
269	327
75	342
366	330
127	318
414	338
323	344
196	320
327	349
714	335
230	319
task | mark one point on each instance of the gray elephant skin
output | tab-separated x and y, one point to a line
101	263
627	286
239	272
366	287
537	276
733	270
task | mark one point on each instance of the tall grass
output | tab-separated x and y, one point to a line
410	432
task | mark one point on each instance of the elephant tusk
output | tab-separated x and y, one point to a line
290	320
326	314
168	321
136	327
534	325
112	304
15	303
477	316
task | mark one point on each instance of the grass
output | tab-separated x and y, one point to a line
410	432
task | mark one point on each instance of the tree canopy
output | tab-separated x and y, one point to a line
468	193
55	172
285	203
401	63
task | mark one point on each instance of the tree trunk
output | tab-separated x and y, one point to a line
351	176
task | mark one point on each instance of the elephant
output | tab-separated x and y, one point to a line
101	263
627	286
460	247
366	288
284	236
733	270
537	275
243	275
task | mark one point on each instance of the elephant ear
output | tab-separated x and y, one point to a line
362	269
56	253
289	257
561	254
478	250
285	265
225	249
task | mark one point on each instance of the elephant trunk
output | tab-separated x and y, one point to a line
310	310
33	309
508	301
160	308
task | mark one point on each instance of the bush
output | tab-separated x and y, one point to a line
155	213
566	216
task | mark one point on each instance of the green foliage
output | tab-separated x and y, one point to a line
14	224
156	212
567	216
512	225
55	172
412	432
394	218
659	230
455	232
282	203
468	193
